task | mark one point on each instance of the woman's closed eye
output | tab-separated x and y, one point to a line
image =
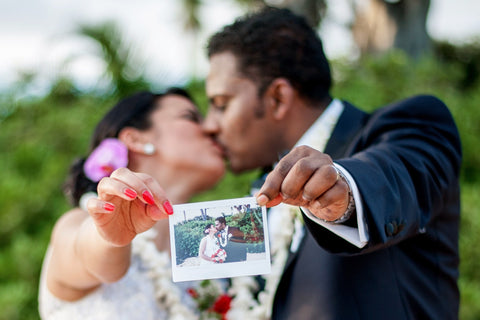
193	116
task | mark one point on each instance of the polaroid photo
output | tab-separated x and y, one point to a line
219	239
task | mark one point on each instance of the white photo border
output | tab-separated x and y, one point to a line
186	212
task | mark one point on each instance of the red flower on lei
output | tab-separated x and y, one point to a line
211	300
222	305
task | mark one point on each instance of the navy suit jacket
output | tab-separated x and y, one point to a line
405	159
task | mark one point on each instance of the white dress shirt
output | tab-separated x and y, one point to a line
317	137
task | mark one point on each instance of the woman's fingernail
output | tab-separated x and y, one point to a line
147	196
130	193
168	207
109	207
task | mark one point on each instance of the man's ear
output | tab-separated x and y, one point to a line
132	138
279	97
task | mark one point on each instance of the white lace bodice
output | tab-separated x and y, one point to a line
133	297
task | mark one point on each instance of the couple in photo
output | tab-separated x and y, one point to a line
388	178
222	243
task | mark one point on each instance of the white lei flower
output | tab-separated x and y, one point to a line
159	267
243	305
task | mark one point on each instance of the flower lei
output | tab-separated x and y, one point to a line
159	267
223	236
212	302
211	299
244	305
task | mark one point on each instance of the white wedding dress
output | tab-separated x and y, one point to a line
133	297
211	246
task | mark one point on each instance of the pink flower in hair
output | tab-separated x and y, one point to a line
110	155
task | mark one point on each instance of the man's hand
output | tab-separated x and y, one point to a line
306	177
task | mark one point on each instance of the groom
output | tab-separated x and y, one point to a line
232	240
389	178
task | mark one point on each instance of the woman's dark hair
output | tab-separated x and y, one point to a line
206	230
275	43
133	111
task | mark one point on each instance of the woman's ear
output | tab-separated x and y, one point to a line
279	98
133	139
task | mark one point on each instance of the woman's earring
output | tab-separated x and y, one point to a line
148	148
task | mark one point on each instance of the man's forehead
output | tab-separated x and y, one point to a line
224	61
223	74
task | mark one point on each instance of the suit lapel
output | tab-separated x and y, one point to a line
346	130
341	142
348	127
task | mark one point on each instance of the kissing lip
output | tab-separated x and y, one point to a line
218	145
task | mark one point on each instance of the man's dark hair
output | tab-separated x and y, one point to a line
221	220
274	43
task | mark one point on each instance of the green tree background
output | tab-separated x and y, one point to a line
40	136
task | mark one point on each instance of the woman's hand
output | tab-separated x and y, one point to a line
128	203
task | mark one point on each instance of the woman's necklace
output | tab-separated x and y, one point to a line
242	289
167	294
244	305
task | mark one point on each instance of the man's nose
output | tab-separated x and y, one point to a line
210	124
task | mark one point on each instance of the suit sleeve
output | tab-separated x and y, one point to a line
406	164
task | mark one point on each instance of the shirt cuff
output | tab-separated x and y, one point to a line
357	236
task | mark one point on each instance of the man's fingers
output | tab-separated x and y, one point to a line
296	178
263	200
273	183
294	172
332	204
322	180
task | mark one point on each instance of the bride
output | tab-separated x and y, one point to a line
108	257
209	247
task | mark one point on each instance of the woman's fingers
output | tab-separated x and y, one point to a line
157	193
97	207
129	186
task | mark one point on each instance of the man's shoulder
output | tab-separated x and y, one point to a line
416	104
419	108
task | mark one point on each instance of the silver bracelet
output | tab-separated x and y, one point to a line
351	200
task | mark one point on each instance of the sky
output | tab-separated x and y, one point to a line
39	35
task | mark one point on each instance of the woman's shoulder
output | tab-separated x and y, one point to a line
204	239
69	220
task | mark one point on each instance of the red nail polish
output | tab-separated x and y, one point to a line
147	196
109	207
130	193
168	207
